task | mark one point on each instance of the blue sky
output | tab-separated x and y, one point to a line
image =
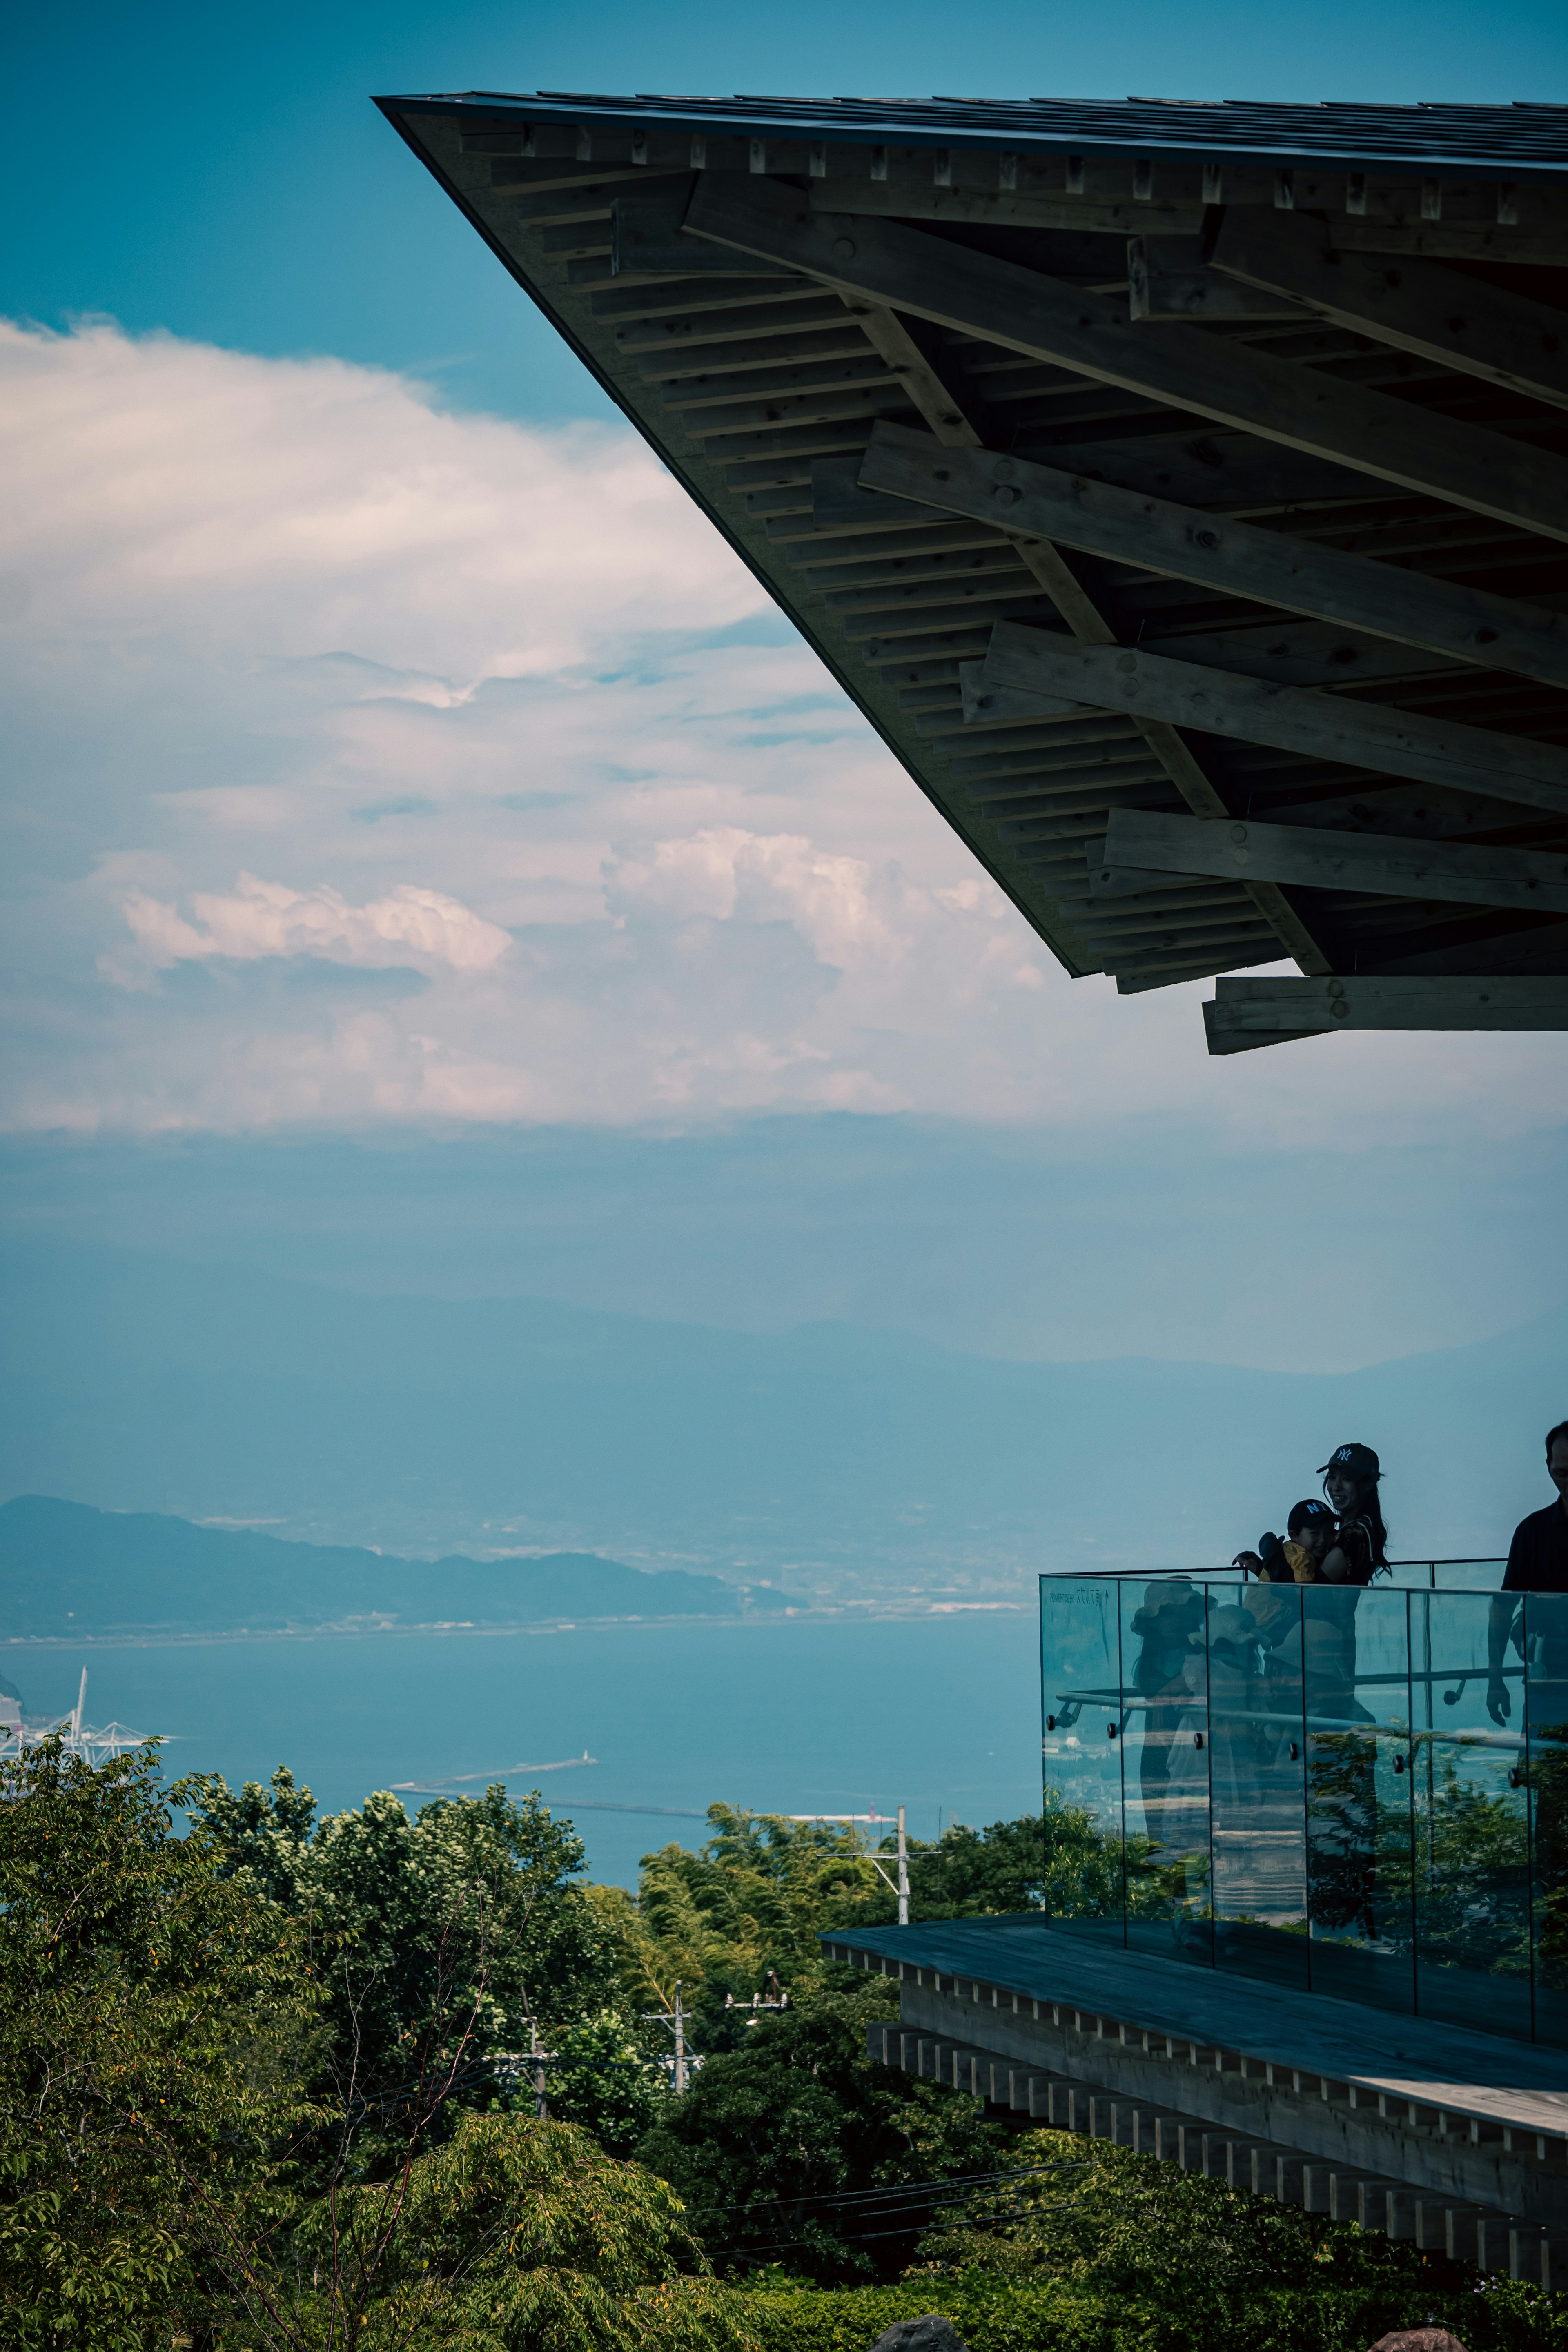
433	864
220	172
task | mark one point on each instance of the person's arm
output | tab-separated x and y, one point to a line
1500	1621
1499	1626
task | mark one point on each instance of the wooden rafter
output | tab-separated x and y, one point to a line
1368	432
1140	844
1300	456
1238	557
1250	1012
1506	767
1414	305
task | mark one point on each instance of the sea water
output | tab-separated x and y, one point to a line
940	1713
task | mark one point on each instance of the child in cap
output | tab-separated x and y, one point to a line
1310	1532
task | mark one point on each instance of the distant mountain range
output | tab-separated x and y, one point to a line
66	1569
842	1463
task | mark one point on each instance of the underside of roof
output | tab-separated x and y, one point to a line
1179	490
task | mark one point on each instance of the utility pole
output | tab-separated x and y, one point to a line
673	2019
902	1889
537	2055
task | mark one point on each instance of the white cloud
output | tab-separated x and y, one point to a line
267	919
374	766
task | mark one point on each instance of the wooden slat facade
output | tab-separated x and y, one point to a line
1353	361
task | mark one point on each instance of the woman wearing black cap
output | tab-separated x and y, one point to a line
1342	1764
1351	1477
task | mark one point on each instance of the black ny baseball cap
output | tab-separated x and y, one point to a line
1359	1461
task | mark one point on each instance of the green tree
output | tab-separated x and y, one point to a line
466	1925
605	2076
155	2024
779	2138
521	2234
752	1901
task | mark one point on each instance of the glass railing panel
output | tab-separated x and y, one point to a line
1412	1575
1257	1767
1541	1630
1356	1670
1467	1575
1083	1711
1165	1767
1471	1821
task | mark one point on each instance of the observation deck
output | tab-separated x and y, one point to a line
1307	1893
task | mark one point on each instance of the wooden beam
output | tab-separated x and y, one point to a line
1540	242
1248	1013
1239	558
1140	843
1156	291
1223	470
1415	305
646	239
1003	208
1291	718
976	293
956	427
897	342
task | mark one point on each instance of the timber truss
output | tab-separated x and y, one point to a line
1181	492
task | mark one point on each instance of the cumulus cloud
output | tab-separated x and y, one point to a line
372	764
268	918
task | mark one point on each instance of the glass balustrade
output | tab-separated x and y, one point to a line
1355	1792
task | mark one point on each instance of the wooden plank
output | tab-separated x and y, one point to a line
1138	843
1291	718
1545	247
832	405
672	364
1154	291
898	343
594	198
1004	208
1223	470
660	323
646	239
1239	558
1248	1013
952	286
719	389
1414	304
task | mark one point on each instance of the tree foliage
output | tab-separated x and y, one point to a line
157	2025
780	2136
471	1912
524	2236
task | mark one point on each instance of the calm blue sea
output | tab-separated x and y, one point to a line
940	1713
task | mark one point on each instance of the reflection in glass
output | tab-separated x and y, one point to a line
1472	1831
1356	1664
1165	1767
1308	1784
1543	1635
1083	1713
1260	1836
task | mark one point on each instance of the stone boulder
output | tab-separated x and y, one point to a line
1418	2340
931	2332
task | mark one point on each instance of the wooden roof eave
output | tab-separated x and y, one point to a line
593	343
694	351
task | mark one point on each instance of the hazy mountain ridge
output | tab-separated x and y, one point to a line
66	1568
832	1459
